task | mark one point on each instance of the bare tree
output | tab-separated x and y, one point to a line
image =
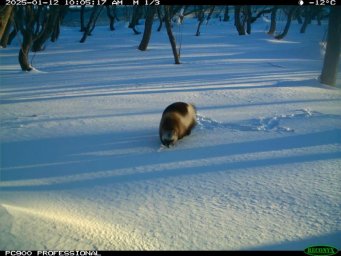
111	12
137	14
26	17
5	14
96	11
210	13
272	28
160	16
309	13
49	27
36	24
201	16
56	29
307	18
226	14
248	17
242	17
5	35
168	11
332	57
237	22
148	27
291	11
82	12
14	31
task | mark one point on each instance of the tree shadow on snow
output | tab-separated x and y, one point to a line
88	161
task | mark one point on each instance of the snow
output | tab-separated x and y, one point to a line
82	166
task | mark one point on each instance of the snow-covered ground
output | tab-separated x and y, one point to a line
82	166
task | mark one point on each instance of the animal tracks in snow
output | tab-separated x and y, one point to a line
273	123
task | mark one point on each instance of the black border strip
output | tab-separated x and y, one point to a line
170	2
104	253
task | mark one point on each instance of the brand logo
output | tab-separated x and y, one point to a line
320	250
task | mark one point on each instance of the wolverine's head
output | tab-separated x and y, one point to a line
169	137
169	132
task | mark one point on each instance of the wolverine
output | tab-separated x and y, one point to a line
177	121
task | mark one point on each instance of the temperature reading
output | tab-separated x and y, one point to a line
323	2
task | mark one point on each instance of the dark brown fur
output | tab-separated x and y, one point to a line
179	107
172	126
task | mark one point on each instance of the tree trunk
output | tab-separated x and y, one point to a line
92	22
111	13
5	35
56	31
319	15
201	16
297	15
332	57
48	29
287	25
210	14
147	28
25	19
6	12
12	35
239	26
170	34
82	18
307	19
226	14
41	10
24	50
248	19
160	18
135	19
273	20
